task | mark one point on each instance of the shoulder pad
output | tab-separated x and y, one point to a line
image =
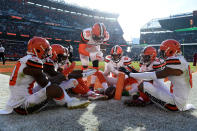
35	62
86	34
49	62
106	37
126	60
108	58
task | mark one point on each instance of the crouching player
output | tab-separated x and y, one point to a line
27	71
149	63
89	47
113	63
58	59
178	72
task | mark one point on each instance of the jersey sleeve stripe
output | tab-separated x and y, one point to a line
82	37
159	66
173	62
49	63
34	64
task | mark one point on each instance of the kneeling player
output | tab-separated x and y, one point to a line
113	63
27	71
178	72
149	63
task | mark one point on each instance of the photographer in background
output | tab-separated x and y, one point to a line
195	59
2	55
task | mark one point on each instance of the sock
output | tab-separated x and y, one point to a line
105	85
134	89
65	98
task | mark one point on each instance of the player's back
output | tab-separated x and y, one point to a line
181	84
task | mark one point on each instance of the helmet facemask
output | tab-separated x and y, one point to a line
116	57
162	54
61	59
97	38
47	53
145	59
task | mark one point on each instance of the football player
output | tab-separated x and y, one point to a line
149	62
89	47
27	71
65	78
178	72
113	63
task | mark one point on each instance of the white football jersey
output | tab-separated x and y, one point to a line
21	85
92	46
181	84
112	67
157	64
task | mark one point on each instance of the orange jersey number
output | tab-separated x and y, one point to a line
14	74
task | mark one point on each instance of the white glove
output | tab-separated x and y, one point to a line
96	56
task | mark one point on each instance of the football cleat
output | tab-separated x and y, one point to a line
95	96
100	91
76	103
137	102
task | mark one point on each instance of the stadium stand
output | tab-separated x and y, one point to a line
181	27
55	20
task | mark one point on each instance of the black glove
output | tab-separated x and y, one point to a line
76	74
124	70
